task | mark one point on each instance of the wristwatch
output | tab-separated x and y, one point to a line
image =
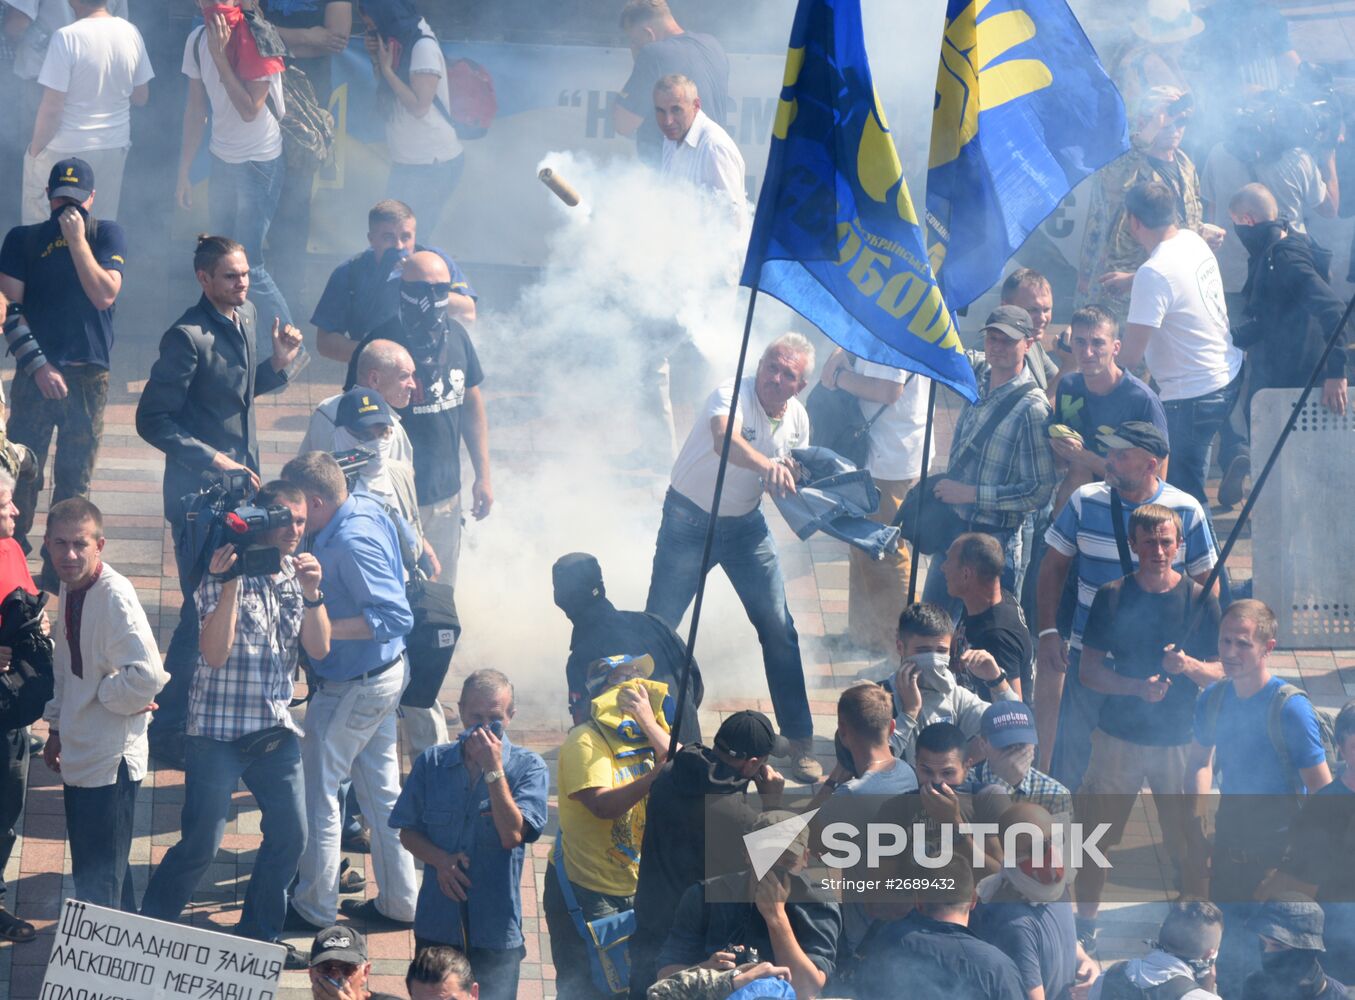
996	682
493	776
319	600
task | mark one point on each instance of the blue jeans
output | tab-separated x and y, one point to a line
99	829
426	188
213	770
1013	569
1191	427
743	549
241	200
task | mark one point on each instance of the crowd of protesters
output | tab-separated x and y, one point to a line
1074	643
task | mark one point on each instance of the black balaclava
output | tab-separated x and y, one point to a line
578	582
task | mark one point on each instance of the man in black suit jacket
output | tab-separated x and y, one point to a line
198	409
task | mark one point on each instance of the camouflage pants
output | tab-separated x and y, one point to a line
78	421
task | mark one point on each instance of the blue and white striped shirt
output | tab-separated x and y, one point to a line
1084	528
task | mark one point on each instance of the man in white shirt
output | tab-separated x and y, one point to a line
770	423
107	671
696	149
1178	324
95	69
895	401
227	72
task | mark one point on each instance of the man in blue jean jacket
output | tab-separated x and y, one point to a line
467	811
350	722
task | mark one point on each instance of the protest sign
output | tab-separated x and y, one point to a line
102	954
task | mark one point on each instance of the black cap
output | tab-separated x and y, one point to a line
578	580
339	944
1136	434
750	734
362	409
1011	320
71	178
1292	919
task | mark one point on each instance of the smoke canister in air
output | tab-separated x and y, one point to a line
561	187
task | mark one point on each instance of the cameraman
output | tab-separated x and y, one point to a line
238	722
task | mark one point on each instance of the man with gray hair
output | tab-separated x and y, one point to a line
696	150
770	422
472	888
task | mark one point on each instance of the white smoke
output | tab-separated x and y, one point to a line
634	261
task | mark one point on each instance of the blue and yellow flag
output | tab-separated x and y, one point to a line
1024	112
836	237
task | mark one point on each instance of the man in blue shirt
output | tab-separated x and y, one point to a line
467	811
1096	398
364	291
350	722
1260	772
67	272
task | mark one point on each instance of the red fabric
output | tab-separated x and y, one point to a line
14	569
74	611
241	49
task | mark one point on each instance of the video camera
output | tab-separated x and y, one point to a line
1307	115
223	513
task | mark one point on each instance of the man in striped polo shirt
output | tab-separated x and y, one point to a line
1066	712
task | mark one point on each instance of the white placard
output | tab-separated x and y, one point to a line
102	954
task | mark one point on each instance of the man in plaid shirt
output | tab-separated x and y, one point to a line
999	474
239	725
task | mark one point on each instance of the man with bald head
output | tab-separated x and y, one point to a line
446	389
363	291
1290	308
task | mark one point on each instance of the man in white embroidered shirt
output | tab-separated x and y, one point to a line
107	672
695	148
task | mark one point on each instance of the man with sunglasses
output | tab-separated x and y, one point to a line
445	404
339	967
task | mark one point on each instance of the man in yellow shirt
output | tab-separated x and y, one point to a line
606	767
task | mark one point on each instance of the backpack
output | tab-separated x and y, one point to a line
1326	726
1116	985
473	103
307	129
28	685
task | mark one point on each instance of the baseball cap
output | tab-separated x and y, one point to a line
600	671
362	409
1136	434
1007	723
750	734
71	178
1011	320
577	577
1290	918
339	944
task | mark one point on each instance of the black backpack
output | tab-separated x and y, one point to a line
27	686
1116	985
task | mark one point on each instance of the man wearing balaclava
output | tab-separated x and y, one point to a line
1290	928
600	630
445	404
924	686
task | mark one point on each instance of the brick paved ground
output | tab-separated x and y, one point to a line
127	487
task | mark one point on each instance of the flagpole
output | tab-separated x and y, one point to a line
685	684
922	488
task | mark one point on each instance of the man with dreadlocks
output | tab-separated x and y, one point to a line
447	378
